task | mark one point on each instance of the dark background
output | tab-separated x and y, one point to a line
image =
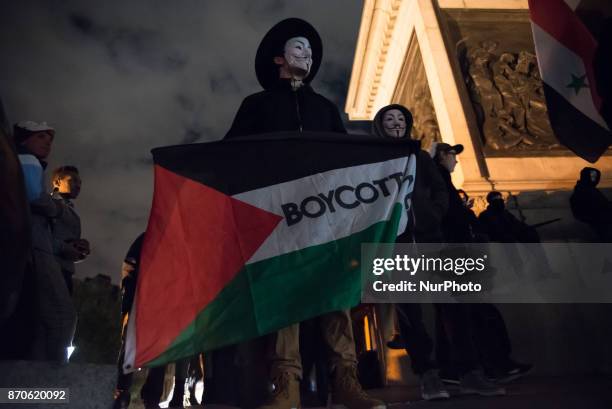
118	78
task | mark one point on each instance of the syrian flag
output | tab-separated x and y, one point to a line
566	49
250	235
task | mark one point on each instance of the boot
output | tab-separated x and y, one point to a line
347	391
286	393
432	386
474	382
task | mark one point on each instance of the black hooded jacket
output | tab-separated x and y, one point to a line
459	223
588	204
501	226
429	197
280	108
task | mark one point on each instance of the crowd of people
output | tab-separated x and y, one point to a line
473	348
472	345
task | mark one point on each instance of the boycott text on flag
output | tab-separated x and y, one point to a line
566	50
250	235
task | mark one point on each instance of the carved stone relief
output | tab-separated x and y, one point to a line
507	93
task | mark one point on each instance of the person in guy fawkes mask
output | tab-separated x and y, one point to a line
429	198
429	204
287	60
590	205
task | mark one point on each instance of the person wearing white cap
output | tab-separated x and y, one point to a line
57	315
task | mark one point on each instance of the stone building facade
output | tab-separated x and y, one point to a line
467	70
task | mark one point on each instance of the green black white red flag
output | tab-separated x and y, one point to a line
566	51
250	235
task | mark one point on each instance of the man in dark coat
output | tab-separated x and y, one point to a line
502	226
287	60
429	204
456	347
456	225
590	205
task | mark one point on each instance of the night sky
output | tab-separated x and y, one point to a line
118	78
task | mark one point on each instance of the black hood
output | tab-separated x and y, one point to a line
585	177
377	128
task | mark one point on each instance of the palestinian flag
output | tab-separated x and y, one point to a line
250	235
566	51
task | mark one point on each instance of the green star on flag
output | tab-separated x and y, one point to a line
577	83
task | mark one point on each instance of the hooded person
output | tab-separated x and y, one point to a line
590	205
287	60
429	198
429	204
501	226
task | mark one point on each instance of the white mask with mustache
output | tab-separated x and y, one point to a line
394	123
298	55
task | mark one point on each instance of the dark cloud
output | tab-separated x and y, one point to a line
83	23
119	78
145	46
224	82
186	103
265	9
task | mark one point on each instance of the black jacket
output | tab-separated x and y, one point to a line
283	109
129	274
429	203
502	227
588	204
459	222
429	197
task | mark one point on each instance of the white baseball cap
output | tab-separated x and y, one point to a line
35	126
